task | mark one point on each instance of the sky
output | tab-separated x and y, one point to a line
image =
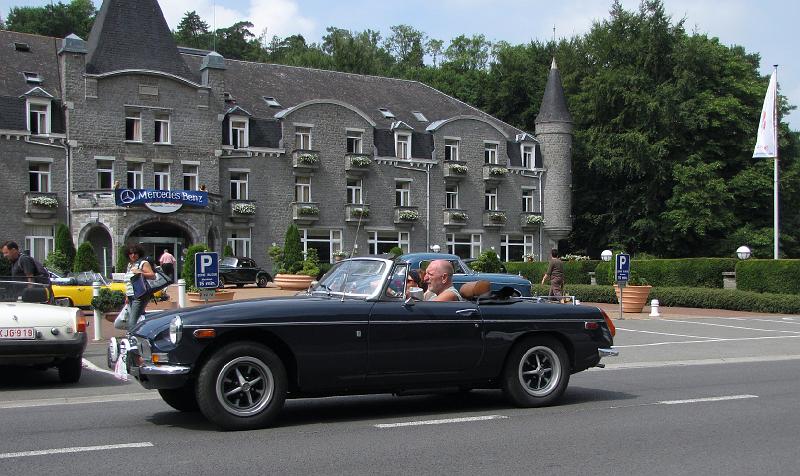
766	27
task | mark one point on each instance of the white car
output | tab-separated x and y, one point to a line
35	333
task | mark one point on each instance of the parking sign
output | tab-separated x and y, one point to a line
206	270
623	267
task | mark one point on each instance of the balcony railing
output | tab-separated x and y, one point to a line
305	213
455	217
242	210
455	170
531	220
357	164
307	160
494	173
41	204
494	218
356	212
406	215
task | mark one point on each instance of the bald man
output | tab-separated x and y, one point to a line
439	276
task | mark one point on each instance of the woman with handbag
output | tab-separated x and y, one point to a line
138	268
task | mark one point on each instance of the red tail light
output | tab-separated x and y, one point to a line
610	324
80	324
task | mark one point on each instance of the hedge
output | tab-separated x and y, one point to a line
769	276
574	271
690	272
703	298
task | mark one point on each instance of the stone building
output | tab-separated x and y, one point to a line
360	163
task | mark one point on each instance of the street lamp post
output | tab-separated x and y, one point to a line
743	252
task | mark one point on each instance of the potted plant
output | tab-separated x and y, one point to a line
109	303
339	255
294	271
635	294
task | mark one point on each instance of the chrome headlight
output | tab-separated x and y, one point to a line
175	329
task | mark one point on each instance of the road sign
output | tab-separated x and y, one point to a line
623	267
206	270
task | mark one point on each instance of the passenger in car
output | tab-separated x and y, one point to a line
439	277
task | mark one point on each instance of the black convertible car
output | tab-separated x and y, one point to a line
359	331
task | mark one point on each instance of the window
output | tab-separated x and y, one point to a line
527	156
162	135
39	176
302	138
383	241
490	201
528	200
239	133
302	189
239	241
450	149
490	153
38	122
354	142
355	192
32	77
133	126
105	174
451	196
23	47
135	175
161	177
326	242
514	248
190	177
386	113
271	101
464	245
402	194
39	240
239	185
402	146
419	116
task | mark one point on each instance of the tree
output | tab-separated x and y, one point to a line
238	42
435	49
122	259
58	20
193	31
292	261
227	251
188	265
468	54
406	45
63	243
85	259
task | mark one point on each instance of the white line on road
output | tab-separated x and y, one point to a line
682	363
77	449
707	399
730	327
90	366
441	422
127	397
783	320
732	339
663	333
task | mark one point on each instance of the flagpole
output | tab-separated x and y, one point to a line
776	182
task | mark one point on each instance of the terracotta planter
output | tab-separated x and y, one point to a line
219	296
634	298
293	282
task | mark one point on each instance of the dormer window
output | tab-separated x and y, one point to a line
402	145
32	77
23	47
419	116
271	101
240	132
528	156
39	117
451	149
386	113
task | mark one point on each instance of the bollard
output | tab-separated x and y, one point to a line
98	333
654	308
181	293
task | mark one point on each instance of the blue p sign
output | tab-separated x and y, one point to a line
623	266
206	270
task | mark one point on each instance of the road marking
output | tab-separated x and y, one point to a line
732	339
128	397
94	368
731	327
783	320
663	333
441	422
77	449
681	363
707	399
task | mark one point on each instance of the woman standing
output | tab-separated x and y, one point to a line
136	265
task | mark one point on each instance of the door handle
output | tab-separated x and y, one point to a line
467	312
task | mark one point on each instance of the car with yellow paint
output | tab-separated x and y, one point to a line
76	289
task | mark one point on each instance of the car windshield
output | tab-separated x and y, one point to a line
353	277
228	261
23	291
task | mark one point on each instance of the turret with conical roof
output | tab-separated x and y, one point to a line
133	34
554	132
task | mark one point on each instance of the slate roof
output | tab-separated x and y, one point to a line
42	59
554	103
132	34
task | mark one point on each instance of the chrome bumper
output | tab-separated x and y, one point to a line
163	370
607	352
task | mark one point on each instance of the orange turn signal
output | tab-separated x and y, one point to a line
81	324
204	333
611	326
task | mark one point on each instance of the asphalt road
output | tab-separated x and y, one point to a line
687	396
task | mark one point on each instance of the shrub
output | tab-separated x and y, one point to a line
108	300
408	215
575	272
769	276
227	251
122	259
487	262
57	261
311	263
458	168
62	242
359	212
360	160
696	272
498	171
292	256
308	158
42	201
188	265
459	216
497	217
396	251
307	210
85	259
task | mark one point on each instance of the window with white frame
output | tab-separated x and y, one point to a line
451	149
302	189
402	146
529	200
326	242
133	126
39	240
162	132
515	247
489	153
135	175
39	177
402	193
240	134
190	177
464	245
302	138
105	174
239	189
527	156
355	142
451	196
161	178
490	199
38	118
355	191
382	241
240	242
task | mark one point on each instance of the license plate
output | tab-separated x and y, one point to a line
17	333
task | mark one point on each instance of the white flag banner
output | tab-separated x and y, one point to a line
766	145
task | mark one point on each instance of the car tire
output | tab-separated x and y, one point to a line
262	280
69	370
182	399
242	386
537	372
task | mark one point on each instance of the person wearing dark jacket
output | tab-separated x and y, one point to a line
24	267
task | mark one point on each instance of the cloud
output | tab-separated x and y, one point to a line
279	17
175	9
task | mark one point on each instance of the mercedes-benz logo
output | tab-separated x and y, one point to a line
127	196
